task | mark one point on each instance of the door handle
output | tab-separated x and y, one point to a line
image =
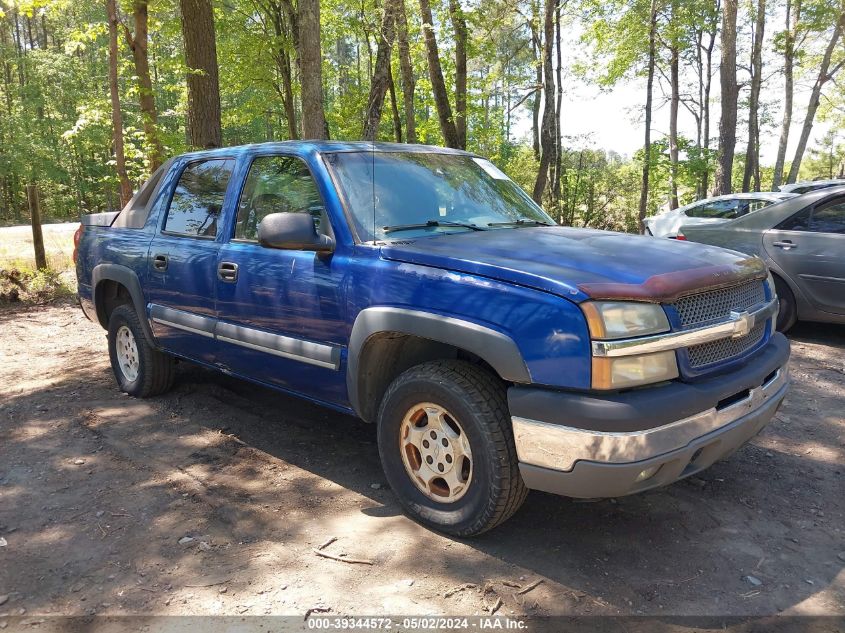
160	262
786	244
228	272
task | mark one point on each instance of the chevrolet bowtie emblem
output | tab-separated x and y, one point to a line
743	322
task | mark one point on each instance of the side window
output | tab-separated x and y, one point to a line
198	200
716	209
755	205
276	184
828	217
694	212
798	222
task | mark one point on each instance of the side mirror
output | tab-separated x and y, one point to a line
292	231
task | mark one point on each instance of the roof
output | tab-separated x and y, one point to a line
812	183
325	147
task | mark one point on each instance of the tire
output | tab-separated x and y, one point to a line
151	372
473	401
787	315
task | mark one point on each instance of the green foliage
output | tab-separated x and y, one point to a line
55	113
35	286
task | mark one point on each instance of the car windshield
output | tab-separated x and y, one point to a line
405	195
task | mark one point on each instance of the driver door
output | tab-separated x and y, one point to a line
279	311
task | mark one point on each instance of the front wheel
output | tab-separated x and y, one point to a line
139	368
446	445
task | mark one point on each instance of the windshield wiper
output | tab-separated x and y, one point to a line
429	224
520	222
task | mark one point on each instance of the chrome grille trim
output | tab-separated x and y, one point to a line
717	305
737	325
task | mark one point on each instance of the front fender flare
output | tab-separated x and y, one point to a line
495	348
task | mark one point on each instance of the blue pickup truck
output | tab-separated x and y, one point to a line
420	289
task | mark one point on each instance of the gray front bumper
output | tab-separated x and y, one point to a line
588	464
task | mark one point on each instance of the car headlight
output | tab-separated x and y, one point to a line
610	320
629	371
624	319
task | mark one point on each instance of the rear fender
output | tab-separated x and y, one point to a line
126	277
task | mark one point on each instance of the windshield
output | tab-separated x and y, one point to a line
405	195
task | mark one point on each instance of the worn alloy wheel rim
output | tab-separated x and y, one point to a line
127	353
436	453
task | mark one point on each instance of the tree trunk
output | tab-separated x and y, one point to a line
674	104
438	85
394	106
652	35
381	75
204	129
314	124
793	15
19	47
138	44
727	122
558	108
826	73
35	220
406	69
547	131
536	48
459	24
116	116
708	83
752	152
699	68
282	16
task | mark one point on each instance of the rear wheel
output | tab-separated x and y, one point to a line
139	368
446	445
787	315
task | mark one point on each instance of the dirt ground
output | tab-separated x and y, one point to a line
213	498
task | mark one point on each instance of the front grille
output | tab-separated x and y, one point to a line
715	351
717	305
708	308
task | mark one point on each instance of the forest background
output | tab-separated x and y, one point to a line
605	111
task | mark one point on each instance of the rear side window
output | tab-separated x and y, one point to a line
716	209
828	217
755	205
198	200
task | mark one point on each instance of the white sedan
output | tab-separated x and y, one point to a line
712	211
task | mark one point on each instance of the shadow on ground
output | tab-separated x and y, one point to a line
97	490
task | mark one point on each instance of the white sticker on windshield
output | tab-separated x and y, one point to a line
491	169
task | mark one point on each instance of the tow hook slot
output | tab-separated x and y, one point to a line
734	399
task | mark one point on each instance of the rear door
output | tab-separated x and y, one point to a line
183	260
810	248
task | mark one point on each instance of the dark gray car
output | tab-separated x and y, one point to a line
802	240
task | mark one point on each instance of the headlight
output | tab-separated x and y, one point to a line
629	371
624	319
609	320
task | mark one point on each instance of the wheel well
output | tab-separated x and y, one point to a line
775	275
387	354
108	295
